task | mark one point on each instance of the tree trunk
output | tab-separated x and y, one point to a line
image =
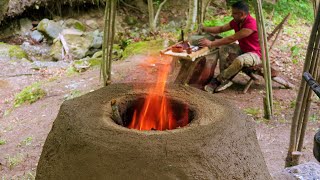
151	16
192	15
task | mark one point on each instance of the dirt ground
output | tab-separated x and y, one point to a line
24	129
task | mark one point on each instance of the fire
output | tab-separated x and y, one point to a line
157	112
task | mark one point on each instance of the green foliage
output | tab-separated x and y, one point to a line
293	104
30	94
79	26
17	52
295	50
252	111
2	141
143	47
124	43
220	21
313	118
71	71
26	142
14	161
73	94
295	54
299	9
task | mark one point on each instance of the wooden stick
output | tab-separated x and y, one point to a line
248	85
278	30
279	26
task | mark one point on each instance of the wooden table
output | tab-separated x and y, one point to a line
188	62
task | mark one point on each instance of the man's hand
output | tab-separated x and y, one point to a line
205	43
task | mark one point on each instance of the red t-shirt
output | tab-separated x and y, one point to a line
250	43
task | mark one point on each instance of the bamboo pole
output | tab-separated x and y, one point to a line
265	59
268	74
104	44
108	38
307	101
314	72
316	6
299	109
112	32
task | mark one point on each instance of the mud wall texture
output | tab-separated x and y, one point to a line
85	143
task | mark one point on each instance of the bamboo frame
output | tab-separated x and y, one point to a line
301	112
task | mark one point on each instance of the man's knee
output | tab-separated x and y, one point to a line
239	62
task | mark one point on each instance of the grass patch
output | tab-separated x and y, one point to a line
3	142
14	161
300	10
143	47
26	142
73	94
313	118
17	52
255	112
30	94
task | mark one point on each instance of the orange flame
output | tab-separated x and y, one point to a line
156	112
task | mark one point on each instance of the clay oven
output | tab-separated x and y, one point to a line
218	141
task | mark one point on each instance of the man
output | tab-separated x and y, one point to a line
233	57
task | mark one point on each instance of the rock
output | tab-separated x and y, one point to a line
25	26
80	65
12	51
74	24
44	64
56	50
97	54
37	52
72	31
97	39
49	28
309	170
78	45
116	53
37	36
92	24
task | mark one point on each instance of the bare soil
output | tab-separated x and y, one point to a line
24	129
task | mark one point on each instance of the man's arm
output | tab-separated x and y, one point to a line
217	29
244	32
